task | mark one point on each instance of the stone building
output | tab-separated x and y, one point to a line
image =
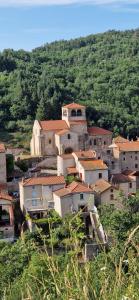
72	198
3	177
36	194
69	134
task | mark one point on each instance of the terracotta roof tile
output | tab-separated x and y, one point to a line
128	147
5	196
63	132
55	125
72	170
2	148
50	180
73	188
89	165
101	186
98	131
74	105
85	154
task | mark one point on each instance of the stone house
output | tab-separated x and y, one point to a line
36	194
3	176
127	155
69	134
106	193
92	170
72	198
125	183
6	217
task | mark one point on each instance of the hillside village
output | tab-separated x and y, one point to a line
72	168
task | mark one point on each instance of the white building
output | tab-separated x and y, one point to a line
77	196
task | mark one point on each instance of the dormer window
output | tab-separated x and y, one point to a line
73	113
79	112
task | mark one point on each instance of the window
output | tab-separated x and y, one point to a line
111	190
108	151
50	141
69	137
100	175
123	153
95	142
79	112
112	197
123	158
130	185
34	202
136	166
136	158
131	156
104	142
90	143
81	196
73	113
64	112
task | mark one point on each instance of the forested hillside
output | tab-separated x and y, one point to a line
100	71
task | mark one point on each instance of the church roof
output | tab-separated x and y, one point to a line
98	131
53	125
74	105
63	132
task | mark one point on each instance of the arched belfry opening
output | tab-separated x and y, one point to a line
79	113
73	113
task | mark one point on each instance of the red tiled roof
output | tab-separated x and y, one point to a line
50	180
73	188
128	147
55	125
4	196
77	122
89	165
2	148
98	131
72	170
74	105
62	132
101	186
85	154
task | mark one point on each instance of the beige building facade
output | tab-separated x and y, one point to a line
77	196
6	217
36	194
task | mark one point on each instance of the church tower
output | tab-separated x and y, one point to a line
73	112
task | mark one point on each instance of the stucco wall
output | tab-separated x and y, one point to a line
3	178
63	164
65	205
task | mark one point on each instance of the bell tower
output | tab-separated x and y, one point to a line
73	112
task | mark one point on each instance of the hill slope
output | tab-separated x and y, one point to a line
100	71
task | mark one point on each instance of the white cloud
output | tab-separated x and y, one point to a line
63	2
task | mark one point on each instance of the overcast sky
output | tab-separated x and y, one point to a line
28	24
